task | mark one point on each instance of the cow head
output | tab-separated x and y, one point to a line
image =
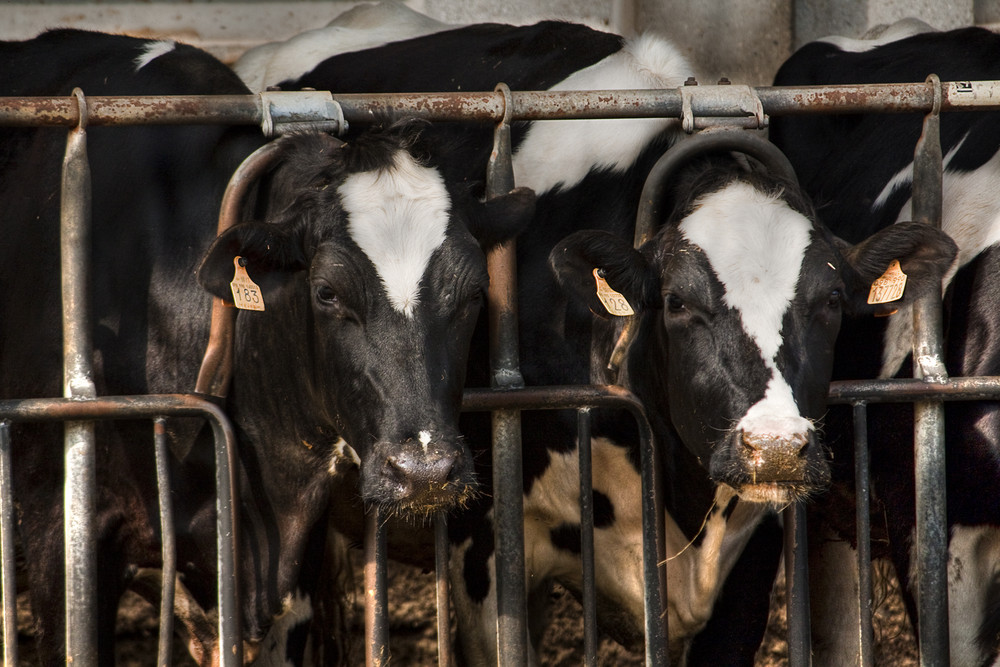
739	298
373	273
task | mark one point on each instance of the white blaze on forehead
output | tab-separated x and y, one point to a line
563	152
398	217
756	244
153	51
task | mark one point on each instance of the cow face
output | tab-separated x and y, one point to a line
375	273
741	298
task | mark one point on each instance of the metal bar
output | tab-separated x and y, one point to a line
173	405
862	480
488	106
797	585
167	542
7	549
376	606
654	557
587	539
985	388
508	486
441	556
80	481
929	457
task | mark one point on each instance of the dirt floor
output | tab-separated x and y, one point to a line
413	630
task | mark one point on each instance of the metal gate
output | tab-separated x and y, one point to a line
739	106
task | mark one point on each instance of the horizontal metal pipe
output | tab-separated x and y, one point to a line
986	388
488	106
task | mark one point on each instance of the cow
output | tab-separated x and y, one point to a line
859	170
372	272
734	345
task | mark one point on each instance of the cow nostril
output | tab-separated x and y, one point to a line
434	468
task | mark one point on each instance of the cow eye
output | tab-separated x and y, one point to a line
326	295
675	304
834	299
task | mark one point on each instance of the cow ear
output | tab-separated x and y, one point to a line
268	249
625	269
501	219
924	252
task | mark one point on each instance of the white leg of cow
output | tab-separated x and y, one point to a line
833	600
695	574
973	565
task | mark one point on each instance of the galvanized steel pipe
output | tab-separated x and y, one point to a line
8	556
80	476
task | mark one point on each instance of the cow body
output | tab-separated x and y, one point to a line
370	274
859	170
709	396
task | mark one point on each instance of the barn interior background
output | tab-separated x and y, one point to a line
744	40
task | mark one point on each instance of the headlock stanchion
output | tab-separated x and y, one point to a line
81	407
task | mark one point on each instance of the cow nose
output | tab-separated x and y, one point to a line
773	458
417	469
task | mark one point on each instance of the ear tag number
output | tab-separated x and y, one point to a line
614	303
889	286
246	293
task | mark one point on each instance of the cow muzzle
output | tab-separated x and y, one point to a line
419	476
775	469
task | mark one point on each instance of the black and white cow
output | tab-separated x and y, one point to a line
739	300
859	169
372	278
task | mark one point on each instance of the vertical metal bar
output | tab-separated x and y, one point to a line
797	584
441	554
168	543
862	479
587	539
376	607
654	557
929	456
508	501
80	481
7	549
227	544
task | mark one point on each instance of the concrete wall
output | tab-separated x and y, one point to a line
744	40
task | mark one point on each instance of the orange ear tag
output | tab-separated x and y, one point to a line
614	303
889	286
246	293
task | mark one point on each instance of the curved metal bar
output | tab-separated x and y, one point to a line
217	365
168	543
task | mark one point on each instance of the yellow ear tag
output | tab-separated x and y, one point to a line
889	286
246	293
614	303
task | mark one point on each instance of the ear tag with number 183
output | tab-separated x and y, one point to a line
614	302
246	293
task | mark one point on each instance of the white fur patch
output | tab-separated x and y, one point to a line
971	216
343	454
361	27
880	35
296	609
398	217
563	152
756	244
153	51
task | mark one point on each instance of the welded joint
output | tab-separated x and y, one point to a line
932	369
83	112
284	111
712	106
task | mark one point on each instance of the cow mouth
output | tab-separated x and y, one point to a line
430	500
775	494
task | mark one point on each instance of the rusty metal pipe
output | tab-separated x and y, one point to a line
376	605
7	549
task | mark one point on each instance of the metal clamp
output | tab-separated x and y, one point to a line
722	105
284	111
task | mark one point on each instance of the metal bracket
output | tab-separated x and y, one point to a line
284	111
721	105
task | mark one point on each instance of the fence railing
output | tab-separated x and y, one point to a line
695	107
